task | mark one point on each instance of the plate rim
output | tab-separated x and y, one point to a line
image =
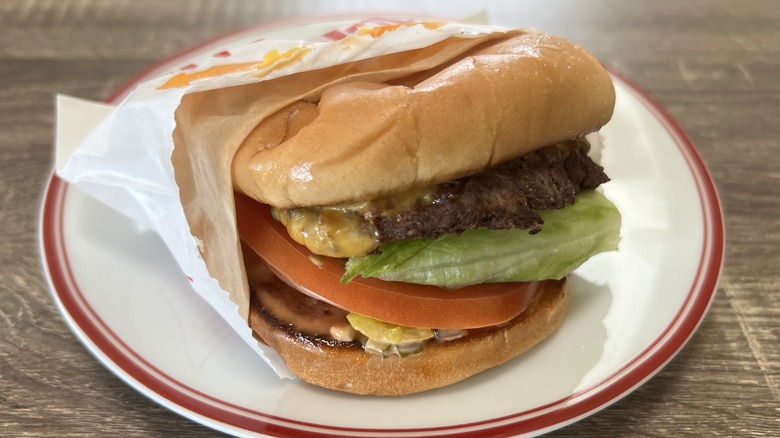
112	353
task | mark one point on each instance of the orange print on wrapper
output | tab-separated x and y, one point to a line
271	60
377	31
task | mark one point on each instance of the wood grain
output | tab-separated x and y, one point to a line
714	65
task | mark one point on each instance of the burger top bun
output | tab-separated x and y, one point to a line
502	99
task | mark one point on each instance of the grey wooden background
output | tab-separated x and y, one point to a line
714	65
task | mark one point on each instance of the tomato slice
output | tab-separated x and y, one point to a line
406	304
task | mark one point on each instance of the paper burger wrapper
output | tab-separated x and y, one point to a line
163	155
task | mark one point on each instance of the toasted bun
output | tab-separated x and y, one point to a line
501	100
347	367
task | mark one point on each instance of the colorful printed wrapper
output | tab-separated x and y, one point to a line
162	156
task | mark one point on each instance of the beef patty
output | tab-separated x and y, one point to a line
507	196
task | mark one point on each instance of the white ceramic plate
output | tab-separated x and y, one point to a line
631	311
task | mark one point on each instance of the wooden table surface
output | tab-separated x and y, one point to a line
714	65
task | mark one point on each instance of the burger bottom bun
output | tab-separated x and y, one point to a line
347	367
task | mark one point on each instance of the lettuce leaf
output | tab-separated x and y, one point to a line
569	237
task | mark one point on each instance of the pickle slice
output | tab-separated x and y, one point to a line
387	333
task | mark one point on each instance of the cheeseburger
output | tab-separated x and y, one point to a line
404	235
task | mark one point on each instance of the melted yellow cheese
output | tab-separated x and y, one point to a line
330	232
346	230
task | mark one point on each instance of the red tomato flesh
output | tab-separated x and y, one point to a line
405	304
